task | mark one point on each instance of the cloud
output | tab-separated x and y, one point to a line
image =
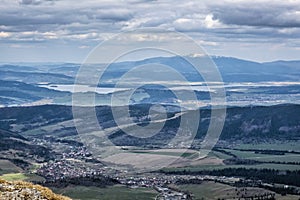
29	2
35	2
85	23
4	34
242	18
258	14
60	21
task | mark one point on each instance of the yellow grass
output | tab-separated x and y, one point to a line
45	192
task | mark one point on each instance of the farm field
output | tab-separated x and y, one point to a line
211	190
289	145
7	167
165	157
21	177
111	192
218	167
14	177
287	157
215	159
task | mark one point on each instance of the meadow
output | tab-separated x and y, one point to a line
108	193
212	190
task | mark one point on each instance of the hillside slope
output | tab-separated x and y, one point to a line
28	191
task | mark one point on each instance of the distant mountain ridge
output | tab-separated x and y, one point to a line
231	69
24	83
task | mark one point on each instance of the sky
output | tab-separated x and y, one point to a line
67	30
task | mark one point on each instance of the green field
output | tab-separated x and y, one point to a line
21	177
14	177
116	192
291	145
218	167
167	153
211	190
288	157
219	155
7	167
206	190
278	158
11	172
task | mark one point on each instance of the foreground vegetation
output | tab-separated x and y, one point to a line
28	191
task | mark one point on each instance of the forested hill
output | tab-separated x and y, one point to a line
246	123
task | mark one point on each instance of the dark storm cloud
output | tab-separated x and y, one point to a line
225	25
263	14
63	21
29	2
37	17
35	2
89	19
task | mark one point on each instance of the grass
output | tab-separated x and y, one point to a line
211	190
288	157
21	177
291	145
246	154
218	167
207	190
116	192
216	154
14	177
10	172
7	167
189	155
219	155
276	158
166	153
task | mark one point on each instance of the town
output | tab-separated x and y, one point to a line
78	167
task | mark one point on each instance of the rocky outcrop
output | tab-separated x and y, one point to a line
26	191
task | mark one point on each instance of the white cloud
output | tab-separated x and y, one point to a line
211	23
4	34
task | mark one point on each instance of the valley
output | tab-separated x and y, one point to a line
66	163
256	155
